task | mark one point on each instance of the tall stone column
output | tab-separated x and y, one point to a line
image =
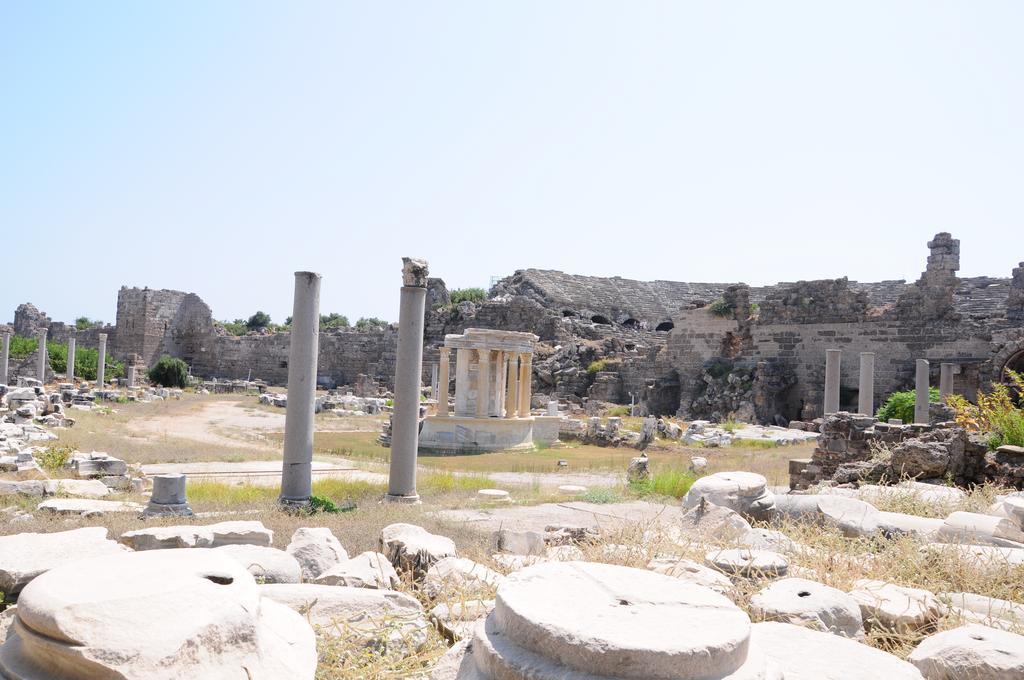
498	395
5	356
945	380
101	361
71	358
442	382
525	376
462	360
433	381
405	420
832	359
921	385
129	373
296	471
510	385
483	382
43	358
866	386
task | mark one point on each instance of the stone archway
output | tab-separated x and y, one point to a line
1010	356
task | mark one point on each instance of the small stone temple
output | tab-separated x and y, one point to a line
493	371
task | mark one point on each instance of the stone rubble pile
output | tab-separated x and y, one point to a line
347	404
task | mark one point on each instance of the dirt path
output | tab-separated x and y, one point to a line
218	422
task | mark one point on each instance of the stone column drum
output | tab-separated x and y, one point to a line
946	380
442	382
483	382
43	359
297	470
511	382
866	386
101	361
832	359
71	359
408	370
5	356
525	386
433	381
168	497
921	385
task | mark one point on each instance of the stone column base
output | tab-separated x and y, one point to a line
405	500
167	510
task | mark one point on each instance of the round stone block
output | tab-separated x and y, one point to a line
745	492
620	622
494	495
169	489
809	604
746	563
572	489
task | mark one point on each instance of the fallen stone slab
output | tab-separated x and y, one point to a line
769	539
972	651
267	565
82	488
317	550
896	608
901	524
706	521
809	604
239	532
414	549
87	507
385	620
854	518
365	570
745	492
805	654
984	606
978	529
747	563
25	556
205	603
691	572
165	538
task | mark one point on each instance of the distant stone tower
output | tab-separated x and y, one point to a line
931	296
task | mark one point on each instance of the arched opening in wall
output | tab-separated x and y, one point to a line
665	326
597	318
631	323
568	312
1016	364
663	395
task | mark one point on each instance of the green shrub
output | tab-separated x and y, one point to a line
721	308
901	405
373	322
86	361
83	322
730	425
995	414
55	457
618	412
600	496
257	321
672	483
468	295
596	367
22	347
169	372
332	320
236	327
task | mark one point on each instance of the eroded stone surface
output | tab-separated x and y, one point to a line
745	492
972	651
317	550
459	575
365	570
809	604
691	572
747	563
894	607
267	565
23	557
206	604
413	548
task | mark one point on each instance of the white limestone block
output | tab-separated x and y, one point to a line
745	492
972	651
317	551
365	570
809	604
691	572
897	608
747	563
413	548
23	557
267	565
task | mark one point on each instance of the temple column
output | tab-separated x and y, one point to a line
101	361
945	381
462	359
832	359
510	385
129	373
71	358
866	387
297	467
921	385
42	358
498	394
442	383
5	355
433	382
525	376
483	382
405	420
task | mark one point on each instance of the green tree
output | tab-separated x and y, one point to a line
901	405
84	322
468	295
169	372
332	320
257	321
372	322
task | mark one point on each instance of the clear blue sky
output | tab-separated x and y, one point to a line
217	147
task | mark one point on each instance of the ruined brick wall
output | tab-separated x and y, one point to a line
145	320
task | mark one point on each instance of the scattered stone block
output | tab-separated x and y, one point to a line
365	570
745	492
317	551
249	532
25	556
357	614
854	518
457	621
746	563
896	608
809	604
87	507
414	549
461	577
164	538
707	521
977	529
267	565
204	603
971	651
691	572
494	496
805	654
519	542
